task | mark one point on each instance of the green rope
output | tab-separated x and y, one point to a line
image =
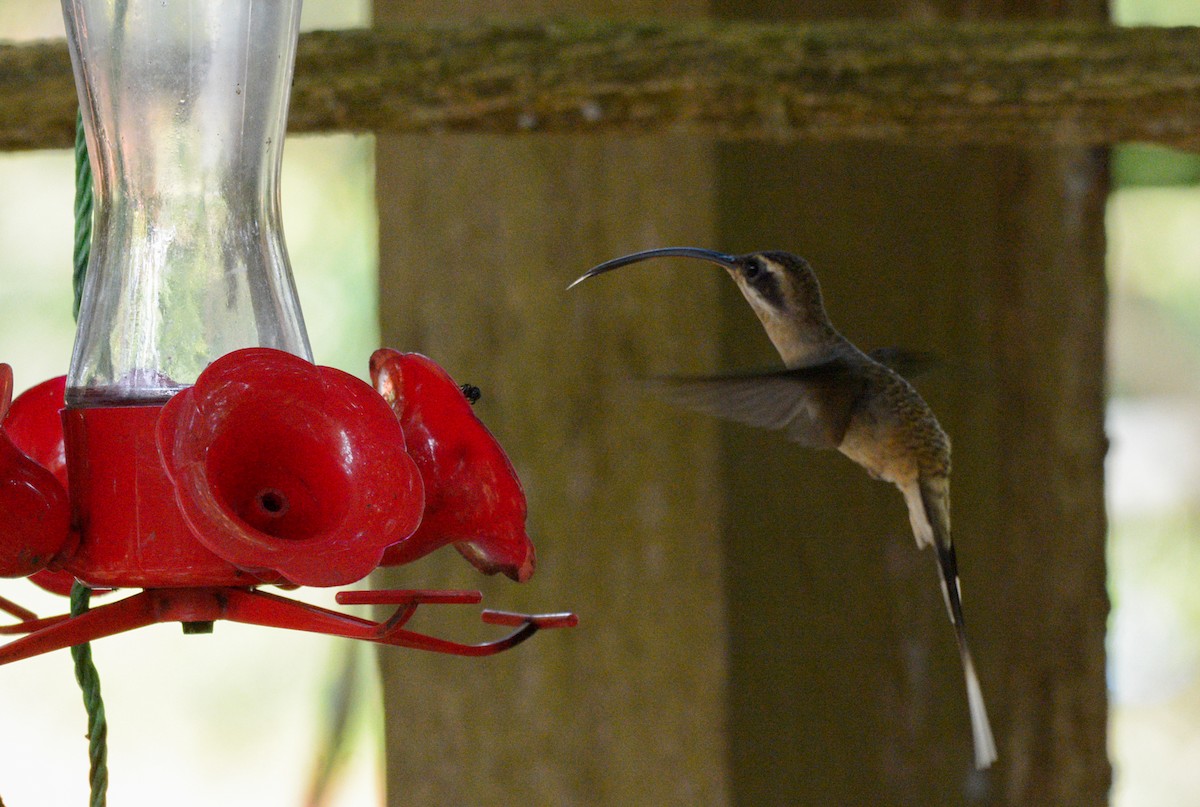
89	682
85	670
83	213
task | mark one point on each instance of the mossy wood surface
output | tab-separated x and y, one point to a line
971	82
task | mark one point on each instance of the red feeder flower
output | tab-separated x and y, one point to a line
473	498
34	426
36	513
284	467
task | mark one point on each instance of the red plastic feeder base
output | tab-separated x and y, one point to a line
132	534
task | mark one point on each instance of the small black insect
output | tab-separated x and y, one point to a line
472	393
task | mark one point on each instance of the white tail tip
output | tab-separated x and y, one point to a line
985	744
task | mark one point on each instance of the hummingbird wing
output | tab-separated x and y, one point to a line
812	405
908	363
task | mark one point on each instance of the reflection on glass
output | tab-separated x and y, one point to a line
184	108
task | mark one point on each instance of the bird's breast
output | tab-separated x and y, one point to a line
879	449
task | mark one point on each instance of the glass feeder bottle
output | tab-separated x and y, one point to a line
184	109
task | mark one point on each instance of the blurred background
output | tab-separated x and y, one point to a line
240	716
1153	485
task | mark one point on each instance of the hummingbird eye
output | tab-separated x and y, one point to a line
753	270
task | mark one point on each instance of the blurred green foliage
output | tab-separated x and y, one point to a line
1139	164
1155	12
1153	226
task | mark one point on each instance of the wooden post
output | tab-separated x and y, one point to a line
479	237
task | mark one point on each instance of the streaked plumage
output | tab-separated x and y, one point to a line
832	395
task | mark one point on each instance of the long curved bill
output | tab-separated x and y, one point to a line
719	258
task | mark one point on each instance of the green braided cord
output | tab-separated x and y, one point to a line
89	682
85	670
83	212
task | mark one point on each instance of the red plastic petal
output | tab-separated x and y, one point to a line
285	466
36	522
35	426
473	498
6	388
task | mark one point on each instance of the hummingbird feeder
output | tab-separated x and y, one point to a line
194	451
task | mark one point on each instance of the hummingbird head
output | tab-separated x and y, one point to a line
780	287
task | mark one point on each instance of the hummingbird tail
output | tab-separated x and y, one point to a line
981	729
934	496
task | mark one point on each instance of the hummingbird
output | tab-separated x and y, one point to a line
831	395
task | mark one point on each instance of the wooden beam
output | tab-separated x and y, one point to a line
1018	83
